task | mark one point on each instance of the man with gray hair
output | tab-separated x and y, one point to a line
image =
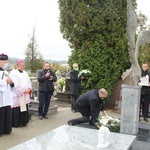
75	86
89	105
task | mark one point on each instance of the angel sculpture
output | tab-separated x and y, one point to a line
132	75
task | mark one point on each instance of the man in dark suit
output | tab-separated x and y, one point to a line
45	77
89	105
75	86
145	92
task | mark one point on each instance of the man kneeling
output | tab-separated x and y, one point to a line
89	105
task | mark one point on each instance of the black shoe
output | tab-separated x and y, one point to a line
40	117
74	111
70	123
145	119
91	123
45	117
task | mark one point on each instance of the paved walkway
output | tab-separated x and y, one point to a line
37	127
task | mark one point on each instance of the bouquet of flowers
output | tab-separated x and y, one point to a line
61	83
112	123
84	73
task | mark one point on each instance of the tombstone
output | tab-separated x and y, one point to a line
130	109
67	85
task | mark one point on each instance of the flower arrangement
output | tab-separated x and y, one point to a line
112	123
61	83
84	73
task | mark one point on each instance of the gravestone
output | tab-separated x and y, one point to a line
64	98
67	85
130	109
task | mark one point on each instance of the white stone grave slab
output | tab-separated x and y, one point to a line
75	138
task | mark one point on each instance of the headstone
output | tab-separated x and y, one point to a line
130	109
67	85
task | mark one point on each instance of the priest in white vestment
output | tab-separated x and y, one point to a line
6	85
21	95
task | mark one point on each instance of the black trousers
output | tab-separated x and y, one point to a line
73	101
5	120
144	105
85	112
44	102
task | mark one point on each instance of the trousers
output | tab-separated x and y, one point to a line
144	105
44	102
73	101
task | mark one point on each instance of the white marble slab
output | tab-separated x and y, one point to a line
74	138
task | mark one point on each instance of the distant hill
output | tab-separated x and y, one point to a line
55	61
12	61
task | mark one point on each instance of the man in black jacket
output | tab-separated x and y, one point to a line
75	86
145	92
45	77
89	105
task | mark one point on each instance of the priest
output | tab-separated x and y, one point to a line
21	95
6	84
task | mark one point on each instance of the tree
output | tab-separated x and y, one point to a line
144	49
142	22
96	31
34	59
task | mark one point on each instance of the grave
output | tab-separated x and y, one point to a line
75	138
64	98
35	103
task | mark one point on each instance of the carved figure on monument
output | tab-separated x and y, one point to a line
103	137
132	75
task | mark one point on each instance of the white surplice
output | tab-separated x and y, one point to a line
21	83
5	90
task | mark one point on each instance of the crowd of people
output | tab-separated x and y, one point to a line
15	91
92	102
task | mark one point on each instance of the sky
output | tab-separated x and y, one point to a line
18	18
143	6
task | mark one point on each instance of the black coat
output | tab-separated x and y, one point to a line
44	83
75	83
145	89
92	101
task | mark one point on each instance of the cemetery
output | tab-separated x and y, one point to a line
55	134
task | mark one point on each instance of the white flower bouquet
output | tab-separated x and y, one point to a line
112	123
61	83
84	73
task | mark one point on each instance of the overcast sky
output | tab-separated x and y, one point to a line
18	17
